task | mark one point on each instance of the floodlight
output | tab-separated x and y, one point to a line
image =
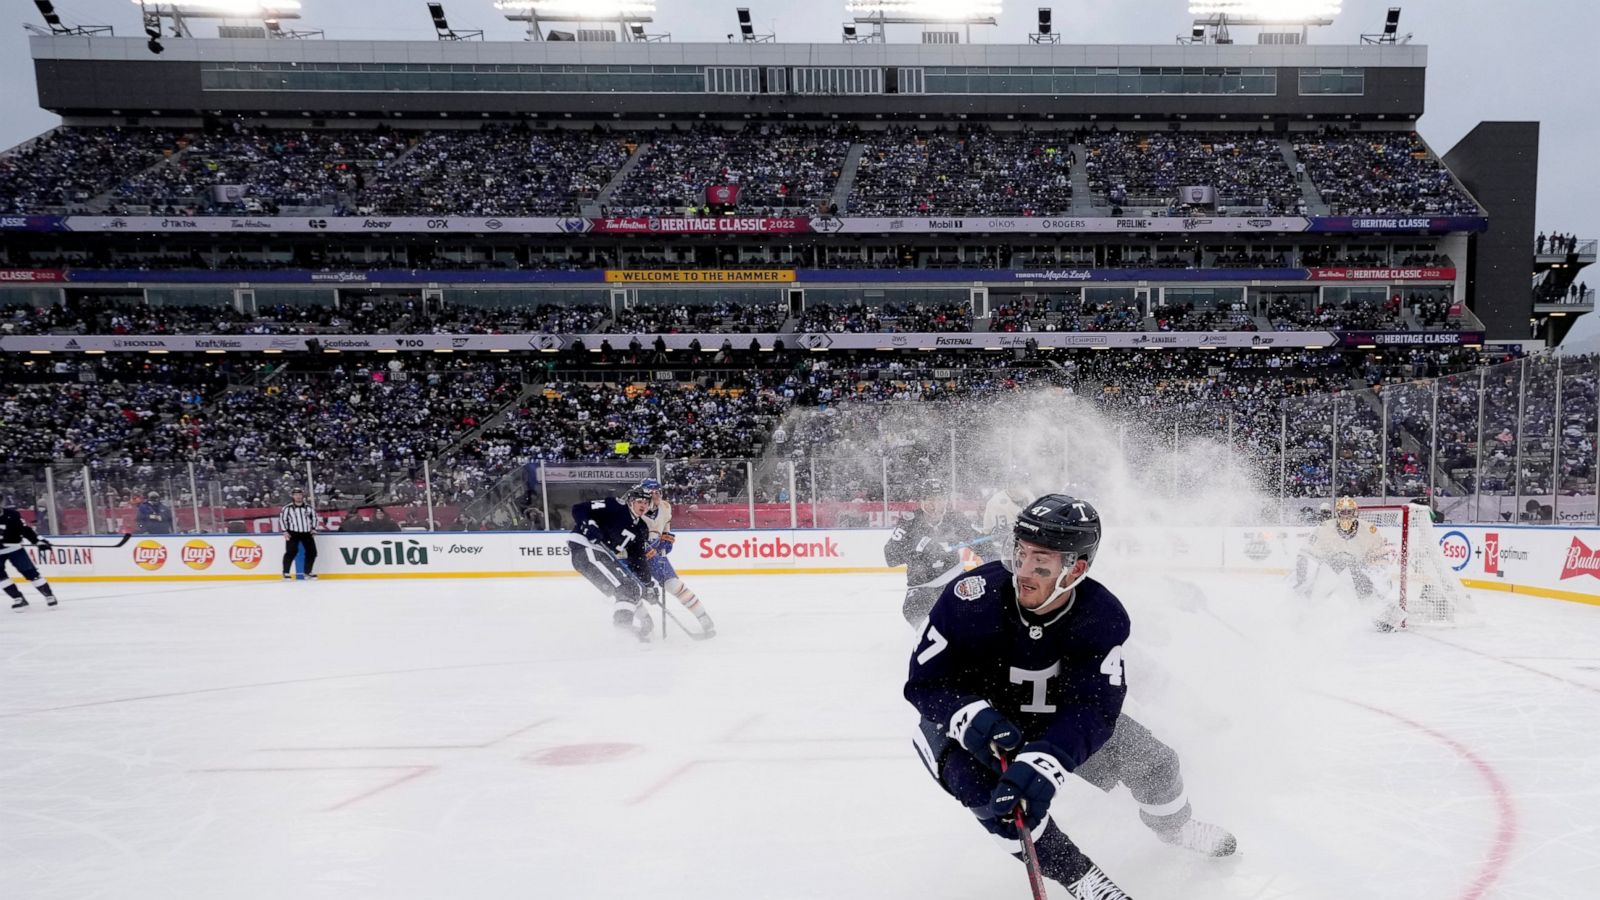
1044	20
637	29
849	31
747	29
48	10
1391	24
581	9
1198	34
230	9
927	9
1269	12
436	10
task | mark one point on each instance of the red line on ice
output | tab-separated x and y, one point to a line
1505	834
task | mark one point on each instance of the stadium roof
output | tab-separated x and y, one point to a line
119	76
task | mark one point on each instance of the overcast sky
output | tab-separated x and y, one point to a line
1489	59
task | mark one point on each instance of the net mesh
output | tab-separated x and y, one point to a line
1428	592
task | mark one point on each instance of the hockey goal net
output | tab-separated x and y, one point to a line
1428	591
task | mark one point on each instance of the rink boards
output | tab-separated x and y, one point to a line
1562	562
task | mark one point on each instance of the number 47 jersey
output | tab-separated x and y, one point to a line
1059	678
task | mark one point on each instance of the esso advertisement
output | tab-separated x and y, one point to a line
197	555
149	555
1456	549
246	554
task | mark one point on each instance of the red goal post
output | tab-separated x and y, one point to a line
1429	593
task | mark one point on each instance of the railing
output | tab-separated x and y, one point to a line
1516	442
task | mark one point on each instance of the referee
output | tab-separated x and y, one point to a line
299	520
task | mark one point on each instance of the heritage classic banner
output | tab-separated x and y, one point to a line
32	276
745	224
552	343
1405	274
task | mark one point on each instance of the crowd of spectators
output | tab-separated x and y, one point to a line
857	318
721	318
1300	313
63	170
1557	243
1246	171
238	169
777	169
908	172
496	171
1192	317
1380	173
500	170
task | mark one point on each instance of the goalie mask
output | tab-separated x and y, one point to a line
1346	514
1052	535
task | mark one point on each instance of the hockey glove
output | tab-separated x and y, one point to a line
43	544
664	543
1031	780
987	732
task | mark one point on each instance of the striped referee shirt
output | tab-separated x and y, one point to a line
298	517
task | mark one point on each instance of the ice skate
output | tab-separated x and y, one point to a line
1203	838
1096	885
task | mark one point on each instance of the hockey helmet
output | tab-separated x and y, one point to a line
650	486
1062	523
1347	513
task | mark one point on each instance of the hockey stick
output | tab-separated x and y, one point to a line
69	542
660	595
1030	854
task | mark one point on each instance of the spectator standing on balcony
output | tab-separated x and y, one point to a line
1539	244
299	523
154	516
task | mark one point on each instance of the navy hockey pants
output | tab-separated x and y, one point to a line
19	560
602	569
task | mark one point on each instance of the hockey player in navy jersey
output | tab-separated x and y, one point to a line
13	531
929	545
1024	657
658	518
608	545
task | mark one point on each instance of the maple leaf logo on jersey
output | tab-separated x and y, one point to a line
1580	561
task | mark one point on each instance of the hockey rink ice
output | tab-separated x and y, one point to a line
493	738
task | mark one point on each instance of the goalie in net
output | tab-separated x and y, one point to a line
1389	558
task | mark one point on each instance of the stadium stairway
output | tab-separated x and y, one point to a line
1315	205
1082	201
1444	482
603	199
491	420
847	175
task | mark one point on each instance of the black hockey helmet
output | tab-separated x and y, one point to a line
637	492
1060	522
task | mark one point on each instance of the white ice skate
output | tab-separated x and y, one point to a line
1201	837
1096	885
